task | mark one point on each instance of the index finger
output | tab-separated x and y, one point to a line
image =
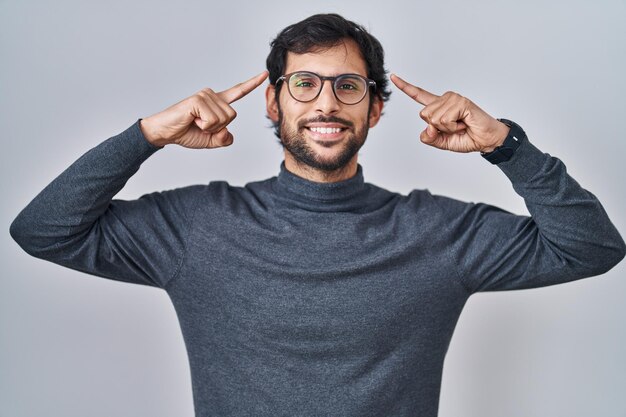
418	94
236	92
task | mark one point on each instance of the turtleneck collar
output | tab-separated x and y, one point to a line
346	195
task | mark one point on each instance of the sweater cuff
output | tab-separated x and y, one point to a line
128	148
525	163
137	134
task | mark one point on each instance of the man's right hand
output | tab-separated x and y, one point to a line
199	121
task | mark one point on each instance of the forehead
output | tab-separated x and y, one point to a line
342	58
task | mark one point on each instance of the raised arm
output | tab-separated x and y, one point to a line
568	235
75	222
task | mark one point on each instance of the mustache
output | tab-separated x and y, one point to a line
325	119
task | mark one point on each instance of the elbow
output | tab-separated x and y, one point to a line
612	253
20	232
23	232
619	252
593	257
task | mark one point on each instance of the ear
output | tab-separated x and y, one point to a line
270	103
376	110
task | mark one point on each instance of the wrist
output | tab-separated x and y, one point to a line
501	131
149	133
511	142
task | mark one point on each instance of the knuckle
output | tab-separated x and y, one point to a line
206	95
200	95
211	119
196	99
223	120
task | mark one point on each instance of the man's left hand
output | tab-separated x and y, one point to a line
455	123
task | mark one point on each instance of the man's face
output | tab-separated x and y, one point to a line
324	134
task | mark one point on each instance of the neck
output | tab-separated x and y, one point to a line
318	175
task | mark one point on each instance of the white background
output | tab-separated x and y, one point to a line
73	73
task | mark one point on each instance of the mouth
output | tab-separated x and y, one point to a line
325	132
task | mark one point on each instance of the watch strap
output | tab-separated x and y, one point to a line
513	140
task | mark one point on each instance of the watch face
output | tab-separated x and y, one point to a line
507	153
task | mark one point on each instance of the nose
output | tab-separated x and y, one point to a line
326	102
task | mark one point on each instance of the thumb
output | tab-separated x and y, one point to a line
221	139
203	125
429	135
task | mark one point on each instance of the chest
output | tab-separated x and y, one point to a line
328	282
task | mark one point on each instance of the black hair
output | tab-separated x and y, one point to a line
325	31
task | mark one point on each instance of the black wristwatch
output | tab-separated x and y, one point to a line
505	151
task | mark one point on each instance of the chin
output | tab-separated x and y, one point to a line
327	163
317	153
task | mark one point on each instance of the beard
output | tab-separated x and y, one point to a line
293	141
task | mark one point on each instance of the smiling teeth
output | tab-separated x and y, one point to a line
325	130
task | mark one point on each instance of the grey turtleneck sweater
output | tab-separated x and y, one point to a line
306	299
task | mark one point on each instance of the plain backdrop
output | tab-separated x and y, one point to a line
73	73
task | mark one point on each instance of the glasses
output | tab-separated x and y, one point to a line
306	86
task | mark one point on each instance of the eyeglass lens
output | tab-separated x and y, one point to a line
349	89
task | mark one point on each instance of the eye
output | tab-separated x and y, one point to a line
348	84
304	81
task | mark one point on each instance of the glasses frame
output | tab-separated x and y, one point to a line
368	83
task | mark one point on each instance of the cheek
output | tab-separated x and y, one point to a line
363	115
291	111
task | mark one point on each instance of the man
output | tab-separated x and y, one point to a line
314	293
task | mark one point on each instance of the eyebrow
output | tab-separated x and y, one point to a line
325	75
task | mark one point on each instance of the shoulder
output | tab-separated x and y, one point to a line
417	199
225	190
221	195
429	207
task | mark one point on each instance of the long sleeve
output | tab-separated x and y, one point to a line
568	235
75	222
